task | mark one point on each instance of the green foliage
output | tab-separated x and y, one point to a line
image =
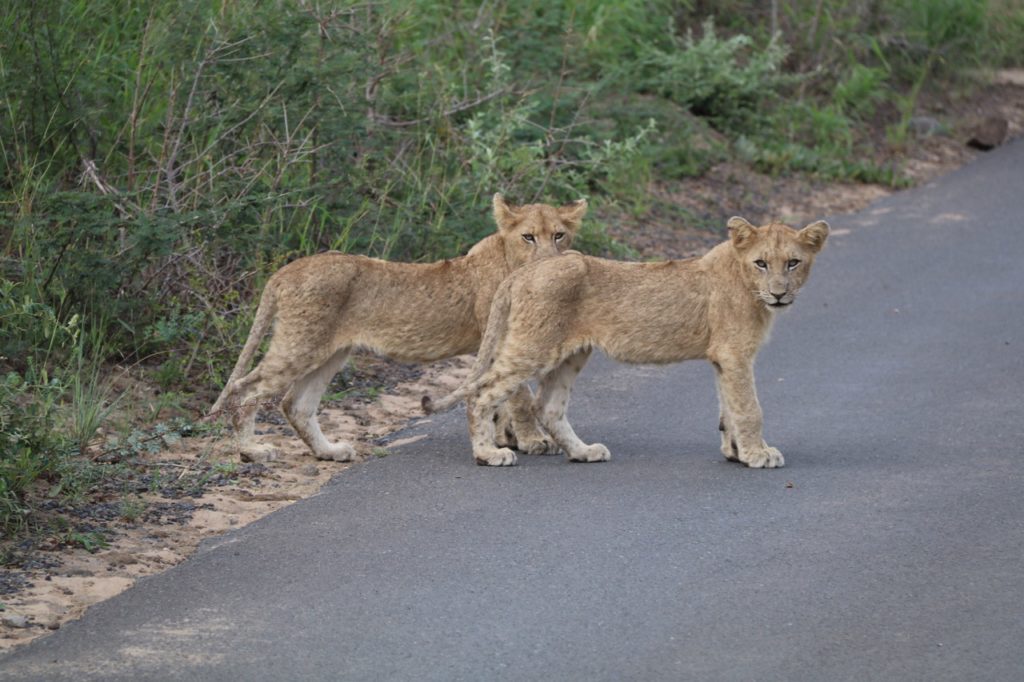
949	29
132	507
30	442
63	533
1006	26
727	81
860	92
154	438
52	401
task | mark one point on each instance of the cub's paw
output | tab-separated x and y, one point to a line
591	453
338	452
730	450
496	457
765	458
505	439
539	445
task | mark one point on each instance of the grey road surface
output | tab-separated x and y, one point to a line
889	548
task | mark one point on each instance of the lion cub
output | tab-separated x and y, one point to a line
324	306
547	317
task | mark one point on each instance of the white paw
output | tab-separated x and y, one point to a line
537	446
766	458
258	453
591	453
339	452
497	457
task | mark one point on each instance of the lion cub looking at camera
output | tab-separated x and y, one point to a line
323	307
547	317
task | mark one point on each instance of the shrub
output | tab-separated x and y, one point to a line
727	81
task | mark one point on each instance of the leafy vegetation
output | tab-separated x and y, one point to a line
159	160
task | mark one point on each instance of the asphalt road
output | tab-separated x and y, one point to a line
889	548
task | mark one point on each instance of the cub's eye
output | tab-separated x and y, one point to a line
530	238
559	236
761	265
792	263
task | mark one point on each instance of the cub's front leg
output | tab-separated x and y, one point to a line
552	401
742	422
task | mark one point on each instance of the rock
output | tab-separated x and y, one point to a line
53	625
309	470
111	456
260	455
15	620
989	134
121	558
924	126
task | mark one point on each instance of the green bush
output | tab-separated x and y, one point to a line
32	441
726	80
1006	27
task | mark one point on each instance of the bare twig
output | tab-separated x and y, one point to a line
458	108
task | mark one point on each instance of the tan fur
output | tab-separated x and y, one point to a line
546	318
322	307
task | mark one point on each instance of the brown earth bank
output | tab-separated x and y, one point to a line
192	488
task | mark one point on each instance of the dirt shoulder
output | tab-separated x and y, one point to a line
197	487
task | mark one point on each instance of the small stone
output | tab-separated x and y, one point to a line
121	558
53	625
924	126
14	620
309	470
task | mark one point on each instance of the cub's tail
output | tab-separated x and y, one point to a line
260	326
497	328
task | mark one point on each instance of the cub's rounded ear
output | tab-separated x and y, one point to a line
741	232
574	212
503	213
814	235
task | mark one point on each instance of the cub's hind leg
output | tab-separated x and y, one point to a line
552	402
481	410
276	374
251	390
517	425
300	405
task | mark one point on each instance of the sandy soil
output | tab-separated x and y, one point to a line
56	594
62	589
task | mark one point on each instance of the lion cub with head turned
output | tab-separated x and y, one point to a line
324	306
547	317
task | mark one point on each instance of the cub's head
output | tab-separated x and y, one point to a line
776	258
536	230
